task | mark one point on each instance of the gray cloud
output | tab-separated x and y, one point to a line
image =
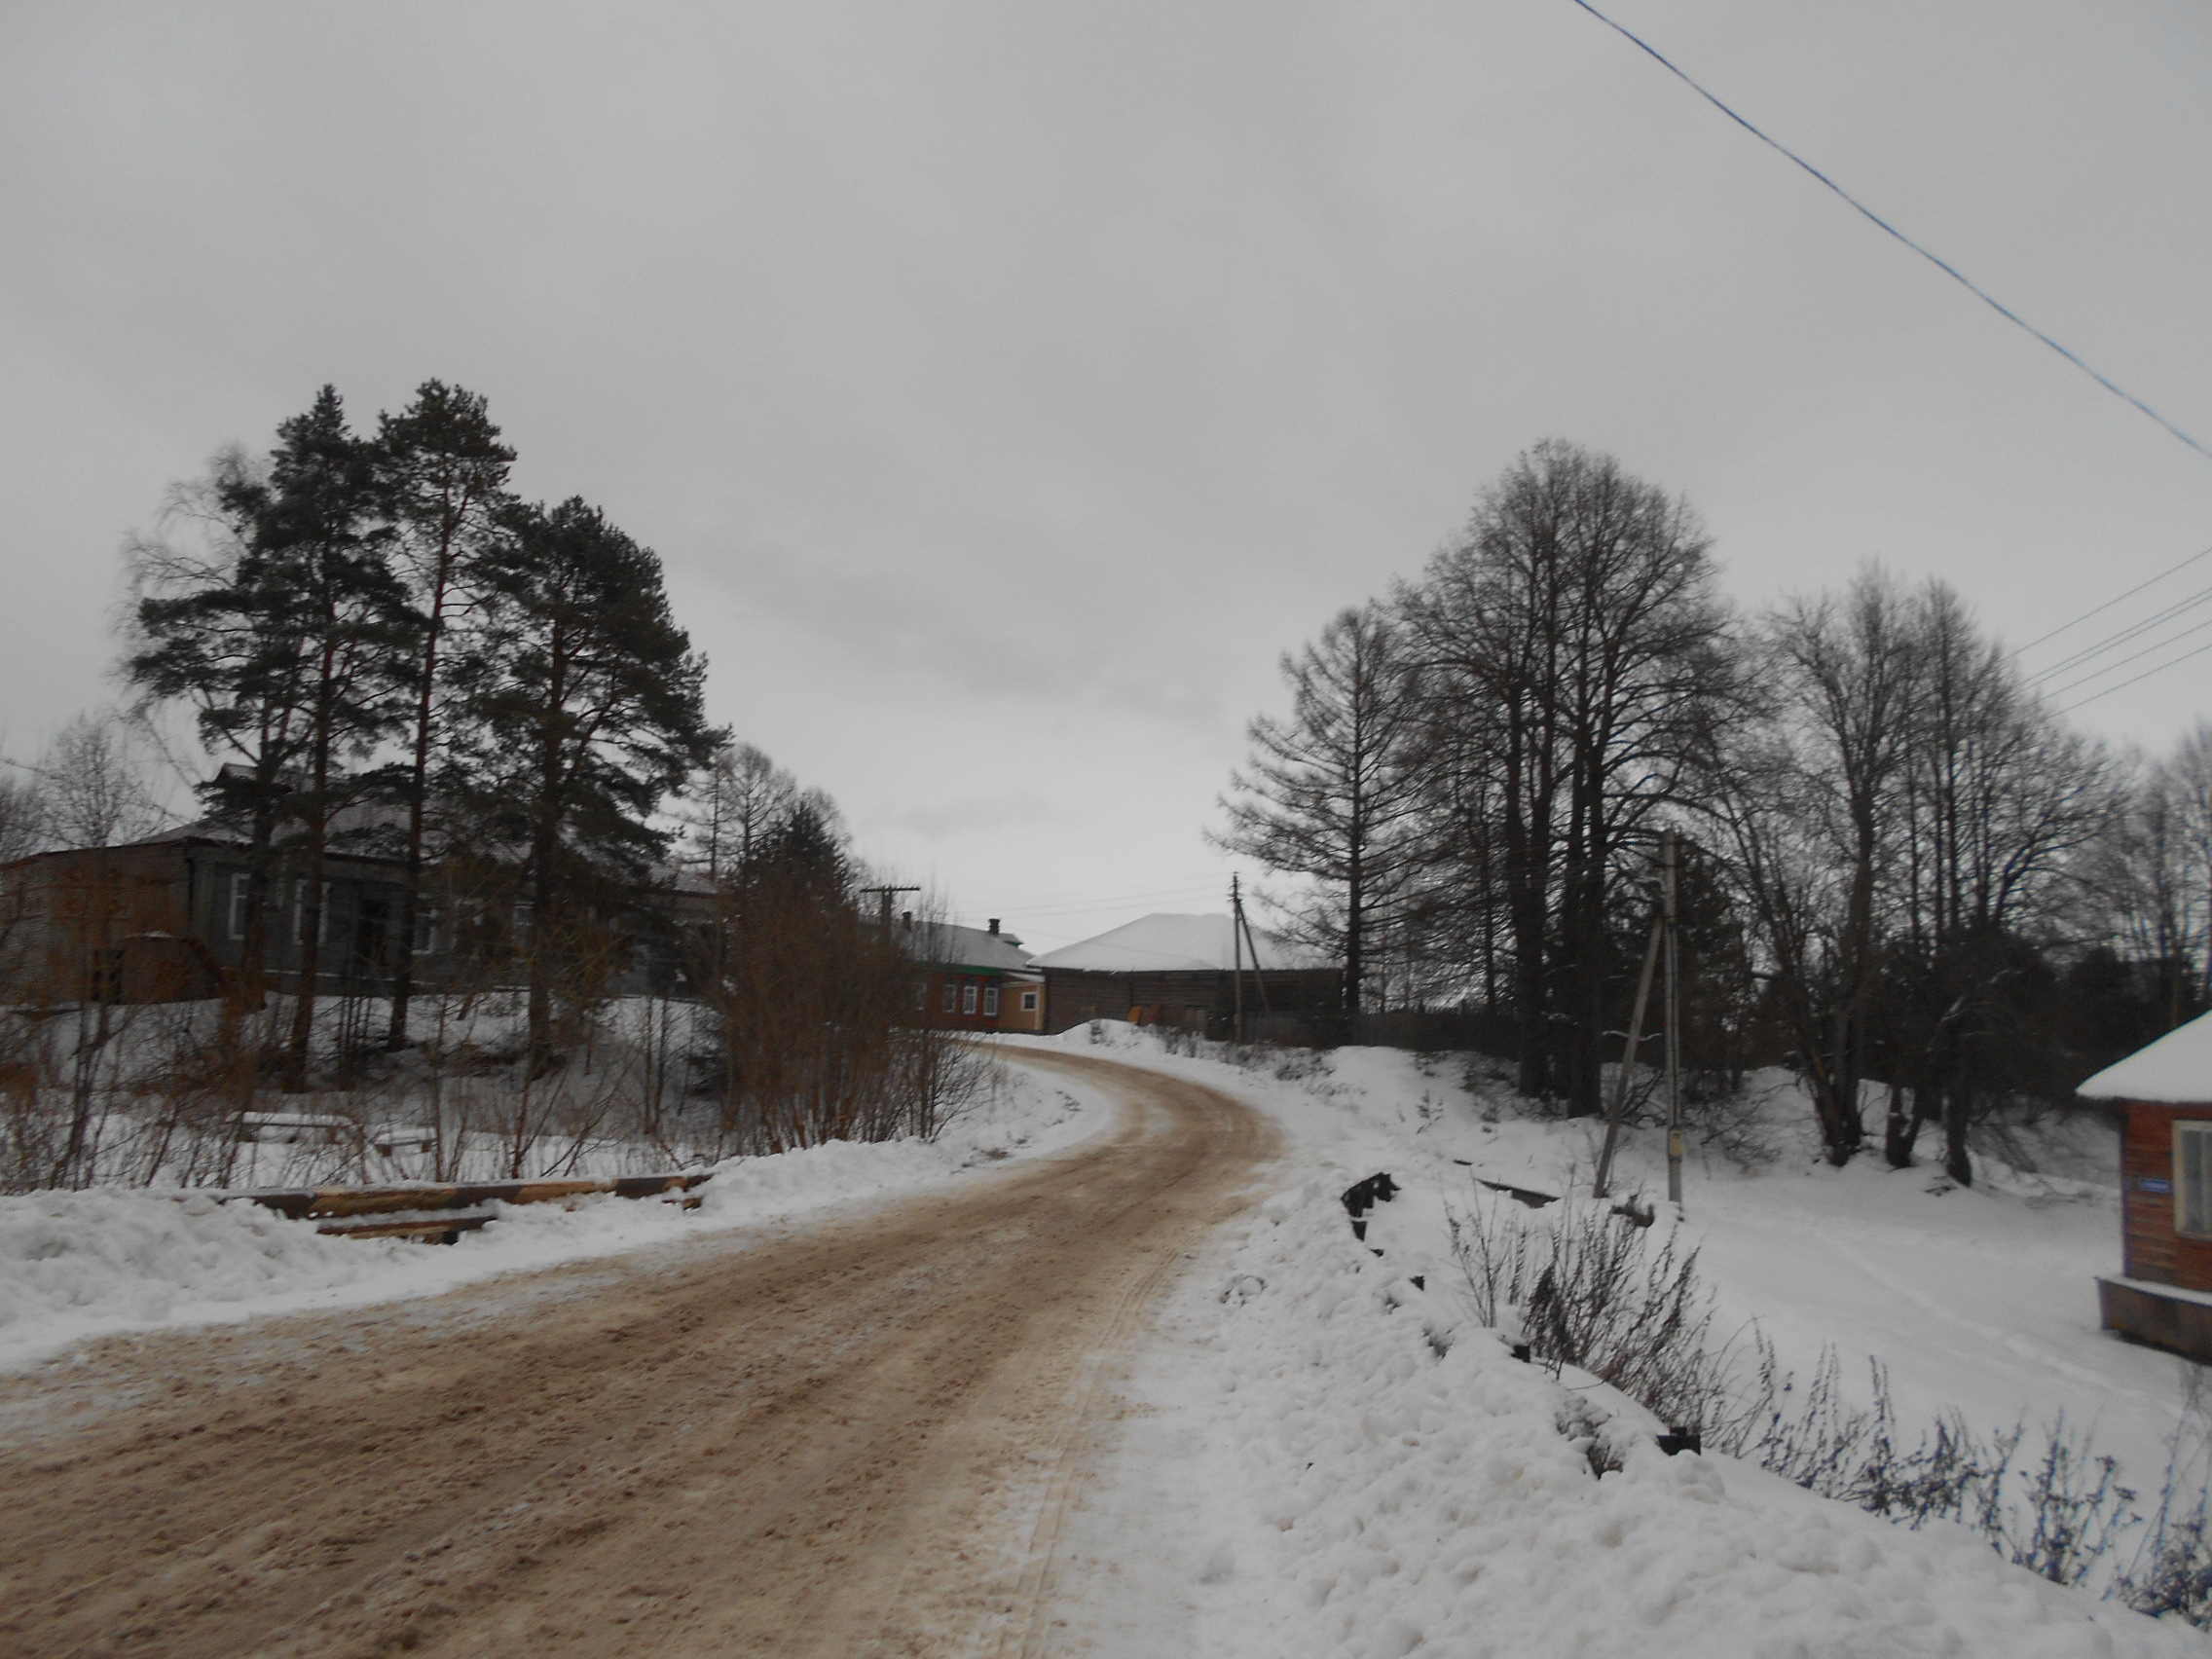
1074	361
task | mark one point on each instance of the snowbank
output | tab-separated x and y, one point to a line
1327	1458
88	1264
1981	1299
1342	1487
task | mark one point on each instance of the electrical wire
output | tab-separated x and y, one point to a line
2112	641
2110	602
1106	895
1951	271
2137	656
2138	680
1027	914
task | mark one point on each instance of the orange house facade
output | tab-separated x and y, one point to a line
972	979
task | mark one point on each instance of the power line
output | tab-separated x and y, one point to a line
2110	602
2137	656
1106	895
2138	680
1028	912
2113	640
1951	271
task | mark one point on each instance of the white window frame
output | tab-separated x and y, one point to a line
241	883
299	913
951	997
990	1002
1028	1002
2193	1177
967	996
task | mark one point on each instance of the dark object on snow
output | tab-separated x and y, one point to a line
1682	1440
1634	1214
1525	1195
438	1214
1363	1196
1421	1281
1521	1353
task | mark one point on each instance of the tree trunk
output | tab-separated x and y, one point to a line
299	1053
1958	1104
418	792
1901	1128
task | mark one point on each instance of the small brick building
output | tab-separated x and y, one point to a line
2163	1094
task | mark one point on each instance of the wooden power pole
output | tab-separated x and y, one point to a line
1236	949
1628	1057
1673	1022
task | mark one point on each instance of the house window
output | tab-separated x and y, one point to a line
991	1002
921	997
300	911
1028	1002
967	997
950	991
241	887
2193	1179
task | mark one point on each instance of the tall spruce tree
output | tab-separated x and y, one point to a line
586	708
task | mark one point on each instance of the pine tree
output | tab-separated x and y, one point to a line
323	539
279	626
586	708
442	472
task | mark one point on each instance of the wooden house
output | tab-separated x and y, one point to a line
972	978
1184	971
2163	1094
164	920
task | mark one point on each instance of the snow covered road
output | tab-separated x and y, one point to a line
854	1437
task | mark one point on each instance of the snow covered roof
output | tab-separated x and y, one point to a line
1166	944
950	945
2174	1070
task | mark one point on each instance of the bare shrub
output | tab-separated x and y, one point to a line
1590	1291
2057	1513
1587	1290
2170	1576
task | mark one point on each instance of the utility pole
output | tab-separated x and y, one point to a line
1628	1059
1242	929
1674	1023
887	891
1236	947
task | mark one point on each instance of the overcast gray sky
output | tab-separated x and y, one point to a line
1006	385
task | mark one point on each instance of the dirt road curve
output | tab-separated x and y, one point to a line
854	1439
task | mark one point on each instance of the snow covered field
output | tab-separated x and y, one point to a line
1325	1459
88	1264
